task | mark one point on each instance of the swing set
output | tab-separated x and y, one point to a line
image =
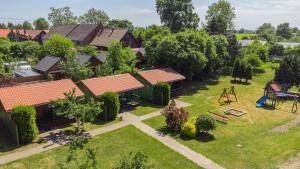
227	96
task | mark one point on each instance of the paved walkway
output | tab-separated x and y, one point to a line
128	119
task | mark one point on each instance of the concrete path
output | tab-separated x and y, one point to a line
128	119
176	146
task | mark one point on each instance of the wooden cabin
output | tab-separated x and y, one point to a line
38	95
125	85
49	65
151	77
80	34
107	35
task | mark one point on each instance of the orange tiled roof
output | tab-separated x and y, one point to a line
29	33
36	94
4	32
117	83
157	75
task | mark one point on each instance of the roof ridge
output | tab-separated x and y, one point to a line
31	84
72	30
156	69
108	76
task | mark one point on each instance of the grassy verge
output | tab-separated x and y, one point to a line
112	147
145	108
6	147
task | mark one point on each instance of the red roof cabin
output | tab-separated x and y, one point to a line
151	77
38	95
125	85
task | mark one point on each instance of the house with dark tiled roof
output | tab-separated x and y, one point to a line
80	34
92	61
107	35
102	57
94	34
151	77
38	95
49	65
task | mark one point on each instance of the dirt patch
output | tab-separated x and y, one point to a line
285	128
292	164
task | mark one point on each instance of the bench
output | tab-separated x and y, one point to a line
219	118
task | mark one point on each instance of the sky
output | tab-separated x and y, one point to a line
250	14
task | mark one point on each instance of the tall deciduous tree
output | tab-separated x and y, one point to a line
27	25
177	15
184	51
219	18
28	50
74	69
234	49
3	26
94	16
76	107
221	44
119	60
58	45
284	30
236	67
289	70
154	30
248	73
258	49
121	23
266	31
60	16
41	24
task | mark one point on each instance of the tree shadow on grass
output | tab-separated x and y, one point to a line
239	82
192	87
205	137
166	131
202	137
258	71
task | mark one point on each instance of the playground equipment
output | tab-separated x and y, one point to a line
219	118
234	112
261	101
275	91
226	95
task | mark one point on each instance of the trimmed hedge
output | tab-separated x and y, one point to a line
161	93
111	105
25	119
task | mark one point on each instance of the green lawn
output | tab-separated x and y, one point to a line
246	141
145	108
111	147
240	36
6	147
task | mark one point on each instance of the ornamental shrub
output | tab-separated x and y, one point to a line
25	119
161	93
111	105
189	129
175	117
205	123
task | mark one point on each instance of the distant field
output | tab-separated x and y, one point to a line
241	36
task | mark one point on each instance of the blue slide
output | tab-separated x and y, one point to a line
261	101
